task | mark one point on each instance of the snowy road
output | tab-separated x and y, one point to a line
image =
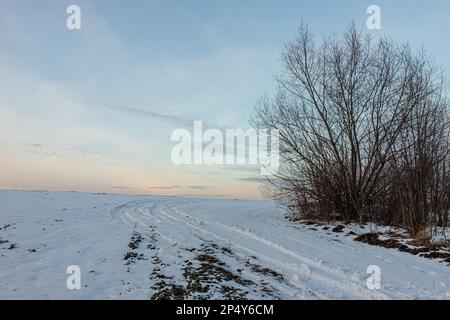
313	264
170	247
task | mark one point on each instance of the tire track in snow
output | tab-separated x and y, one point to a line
166	210
346	283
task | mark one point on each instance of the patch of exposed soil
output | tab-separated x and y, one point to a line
206	275
430	250
135	241
338	228
131	256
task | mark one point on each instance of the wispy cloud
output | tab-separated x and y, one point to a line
252	179
178	120
123	188
149	112
253	169
203	172
164	187
200	187
53	150
35	145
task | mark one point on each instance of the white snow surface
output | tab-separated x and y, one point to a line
42	233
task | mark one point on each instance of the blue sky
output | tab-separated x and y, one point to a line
68	99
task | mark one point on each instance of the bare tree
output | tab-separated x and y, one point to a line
422	172
347	110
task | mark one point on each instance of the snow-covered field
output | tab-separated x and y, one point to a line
146	247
